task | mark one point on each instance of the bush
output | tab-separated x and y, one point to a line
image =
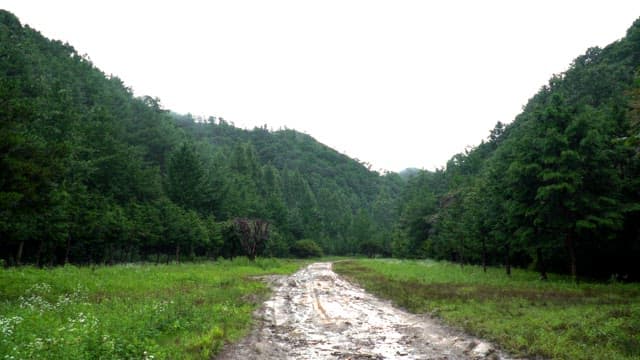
306	248
371	248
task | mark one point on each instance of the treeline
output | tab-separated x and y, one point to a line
307	189
558	189
89	173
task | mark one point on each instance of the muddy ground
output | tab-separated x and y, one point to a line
316	314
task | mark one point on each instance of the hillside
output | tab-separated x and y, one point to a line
556	189
90	173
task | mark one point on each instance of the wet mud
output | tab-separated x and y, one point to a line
316	314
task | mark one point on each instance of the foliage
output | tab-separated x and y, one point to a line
91	174
527	317
371	248
306	248
253	235
554	190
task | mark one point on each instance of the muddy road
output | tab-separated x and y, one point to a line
316	314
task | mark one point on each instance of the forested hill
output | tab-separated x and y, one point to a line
558	188
90	173
327	196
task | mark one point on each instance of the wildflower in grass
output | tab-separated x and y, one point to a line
160	306
108	343
34	300
7	326
39	288
81	322
80	293
64	300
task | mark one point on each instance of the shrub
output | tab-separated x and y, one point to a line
371	248
306	248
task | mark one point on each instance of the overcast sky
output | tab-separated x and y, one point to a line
394	83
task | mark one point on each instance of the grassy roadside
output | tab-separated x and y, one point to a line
185	311
527	317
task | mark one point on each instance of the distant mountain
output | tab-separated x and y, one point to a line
408	173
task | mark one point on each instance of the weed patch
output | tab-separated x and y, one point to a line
555	319
179	311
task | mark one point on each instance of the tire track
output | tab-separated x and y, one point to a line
315	314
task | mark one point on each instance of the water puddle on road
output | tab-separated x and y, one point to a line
315	314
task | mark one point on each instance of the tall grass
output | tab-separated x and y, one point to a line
178	311
555	319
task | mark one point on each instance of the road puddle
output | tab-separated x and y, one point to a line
315	314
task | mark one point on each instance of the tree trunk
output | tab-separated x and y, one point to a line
19	254
507	259
67	250
178	253
157	258
39	253
569	242
484	255
461	252
52	256
111	252
542	267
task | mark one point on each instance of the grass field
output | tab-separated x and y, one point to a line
555	319
180	311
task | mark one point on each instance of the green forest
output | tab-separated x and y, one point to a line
91	174
556	190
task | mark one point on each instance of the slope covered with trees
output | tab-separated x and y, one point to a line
557	189
90	173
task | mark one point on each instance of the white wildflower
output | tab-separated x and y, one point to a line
8	324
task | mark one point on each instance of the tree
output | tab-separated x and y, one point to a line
186	178
253	235
306	248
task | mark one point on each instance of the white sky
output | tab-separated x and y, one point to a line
395	83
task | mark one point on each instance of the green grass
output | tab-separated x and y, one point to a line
555	319
179	311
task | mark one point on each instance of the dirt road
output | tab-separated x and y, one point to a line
315	314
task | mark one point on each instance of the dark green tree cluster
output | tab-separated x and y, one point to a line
305	189
556	189
89	173
306	248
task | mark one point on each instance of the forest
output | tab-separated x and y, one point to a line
556	190
90	173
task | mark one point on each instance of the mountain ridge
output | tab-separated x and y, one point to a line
91	173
